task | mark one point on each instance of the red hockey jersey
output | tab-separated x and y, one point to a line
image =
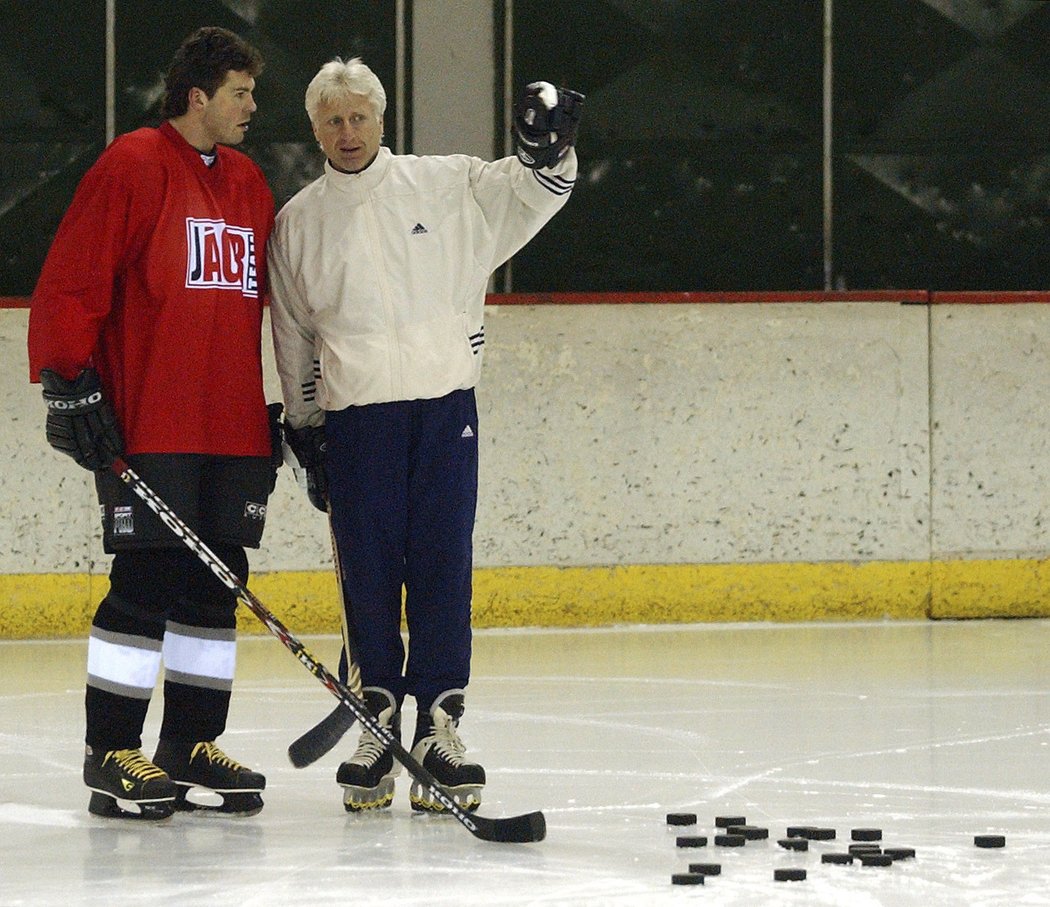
156	278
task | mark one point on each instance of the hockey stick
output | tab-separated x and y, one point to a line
322	737
522	829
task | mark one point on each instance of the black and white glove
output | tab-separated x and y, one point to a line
310	449
80	422
545	123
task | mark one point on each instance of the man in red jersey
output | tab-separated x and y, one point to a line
145	332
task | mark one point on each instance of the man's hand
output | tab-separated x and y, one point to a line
80	423
545	123
310	449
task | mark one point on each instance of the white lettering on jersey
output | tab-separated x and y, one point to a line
220	256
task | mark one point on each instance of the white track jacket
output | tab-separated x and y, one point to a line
378	278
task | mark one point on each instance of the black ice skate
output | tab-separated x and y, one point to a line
367	778
442	753
127	776
205	767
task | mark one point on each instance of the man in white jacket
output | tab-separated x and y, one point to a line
378	274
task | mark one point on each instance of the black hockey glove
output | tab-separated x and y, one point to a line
545	123
309	446
273	412
80	422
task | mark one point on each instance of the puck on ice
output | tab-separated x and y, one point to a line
838	858
789	875
864	848
794	843
730	840
681	818
687	878
690	841
899	853
875	859
750	832
726	821
866	834
819	834
706	869
989	841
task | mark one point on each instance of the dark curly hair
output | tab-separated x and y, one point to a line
202	61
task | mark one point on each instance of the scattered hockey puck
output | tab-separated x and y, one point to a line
789	875
875	859
799	831
730	840
749	832
820	834
899	853
681	818
690	841
989	841
864	848
706	869
726	821
794	843
687	878
837	858
866	834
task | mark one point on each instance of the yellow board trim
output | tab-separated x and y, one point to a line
61	605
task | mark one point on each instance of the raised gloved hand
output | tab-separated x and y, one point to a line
80	422
310	449
545	123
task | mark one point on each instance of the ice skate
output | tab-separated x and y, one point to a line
367	778
203	767
441	751
127	777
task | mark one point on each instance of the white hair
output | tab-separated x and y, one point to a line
337	80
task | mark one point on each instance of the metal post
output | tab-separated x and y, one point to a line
829	274
111	70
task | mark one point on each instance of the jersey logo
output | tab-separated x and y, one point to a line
220	256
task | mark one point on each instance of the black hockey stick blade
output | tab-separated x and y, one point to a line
523	829
321	738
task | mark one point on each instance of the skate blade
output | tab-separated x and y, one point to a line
203	801
366	799
466	797
109	807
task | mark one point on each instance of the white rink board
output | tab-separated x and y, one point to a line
678	434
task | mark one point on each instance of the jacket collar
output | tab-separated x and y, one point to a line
364	180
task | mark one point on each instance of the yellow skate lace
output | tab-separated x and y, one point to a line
135	764
215	756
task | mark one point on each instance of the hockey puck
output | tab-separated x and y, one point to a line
875	859
706	869
726	821
989	840
864	848
799	831
687	878
866	834
899	853
749	832
843	859
789	875
794	843
730	840
681	818
820	834
690	841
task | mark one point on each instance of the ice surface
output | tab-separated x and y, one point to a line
933	732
